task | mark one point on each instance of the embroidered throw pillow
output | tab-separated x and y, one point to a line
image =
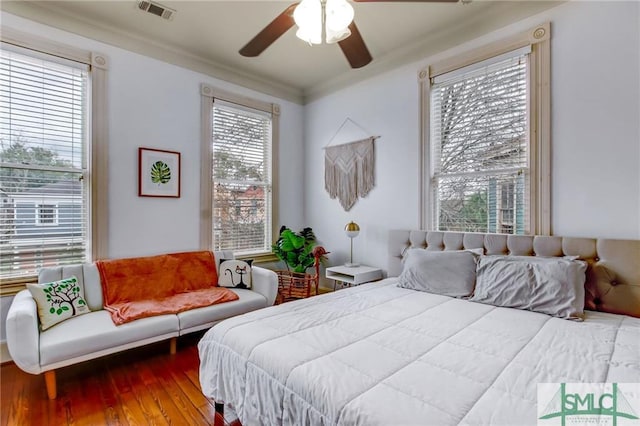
58	301
234	273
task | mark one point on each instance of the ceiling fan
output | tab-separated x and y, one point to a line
320	13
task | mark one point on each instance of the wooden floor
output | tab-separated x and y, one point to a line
144	386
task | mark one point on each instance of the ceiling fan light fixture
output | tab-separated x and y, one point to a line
308	17
311	15
338	15
336	36
311	37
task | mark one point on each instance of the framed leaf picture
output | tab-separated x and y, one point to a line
158	173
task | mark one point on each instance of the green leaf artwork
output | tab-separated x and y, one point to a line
160	173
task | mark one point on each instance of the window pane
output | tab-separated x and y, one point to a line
480	149
239	217
475	203
43	211
241	179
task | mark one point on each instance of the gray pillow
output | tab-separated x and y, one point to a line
551	285
449	273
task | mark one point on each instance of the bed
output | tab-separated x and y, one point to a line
381	354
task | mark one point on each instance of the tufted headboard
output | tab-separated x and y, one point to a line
613	276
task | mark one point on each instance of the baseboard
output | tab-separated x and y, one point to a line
4	353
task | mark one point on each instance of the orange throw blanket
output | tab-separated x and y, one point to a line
141	287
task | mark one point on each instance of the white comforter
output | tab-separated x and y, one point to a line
379	354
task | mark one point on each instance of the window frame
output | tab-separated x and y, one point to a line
208	95
98	138
539	132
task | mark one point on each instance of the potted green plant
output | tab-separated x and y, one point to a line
299	252
295	249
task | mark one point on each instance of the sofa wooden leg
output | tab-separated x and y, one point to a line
50	382
172	345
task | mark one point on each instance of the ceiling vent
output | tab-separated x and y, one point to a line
156	9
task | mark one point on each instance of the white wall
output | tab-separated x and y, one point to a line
155	104
596	140
595	135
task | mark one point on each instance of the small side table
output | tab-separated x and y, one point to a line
355	275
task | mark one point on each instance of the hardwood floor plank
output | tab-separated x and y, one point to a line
110	398
144	386
133	411
144	398
165	404
191	390
19	405
8	380
187	407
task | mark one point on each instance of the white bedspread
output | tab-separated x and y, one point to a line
378	354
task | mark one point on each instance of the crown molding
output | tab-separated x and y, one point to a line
44	14
500	15
491	19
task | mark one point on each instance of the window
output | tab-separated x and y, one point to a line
239	146
45	145
479	146
46	215
486	149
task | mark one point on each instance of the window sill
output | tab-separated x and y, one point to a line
260	257
11	286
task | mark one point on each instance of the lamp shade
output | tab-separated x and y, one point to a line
352	229
308	17
338	16
336	36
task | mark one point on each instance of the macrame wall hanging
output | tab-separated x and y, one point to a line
349	169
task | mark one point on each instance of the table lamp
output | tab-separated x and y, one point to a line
352	230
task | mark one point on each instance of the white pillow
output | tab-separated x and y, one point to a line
58	301
234	273
550	285
449	273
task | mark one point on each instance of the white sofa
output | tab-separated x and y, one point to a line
94	334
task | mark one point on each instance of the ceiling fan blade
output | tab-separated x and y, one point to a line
270	33
354	48
406	1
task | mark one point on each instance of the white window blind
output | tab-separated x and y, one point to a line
480	150
242	177
43	159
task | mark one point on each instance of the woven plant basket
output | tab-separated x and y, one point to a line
296	285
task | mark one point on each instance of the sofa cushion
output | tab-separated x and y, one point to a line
92	286
88	279
205	317
222	254
94	332
58	301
